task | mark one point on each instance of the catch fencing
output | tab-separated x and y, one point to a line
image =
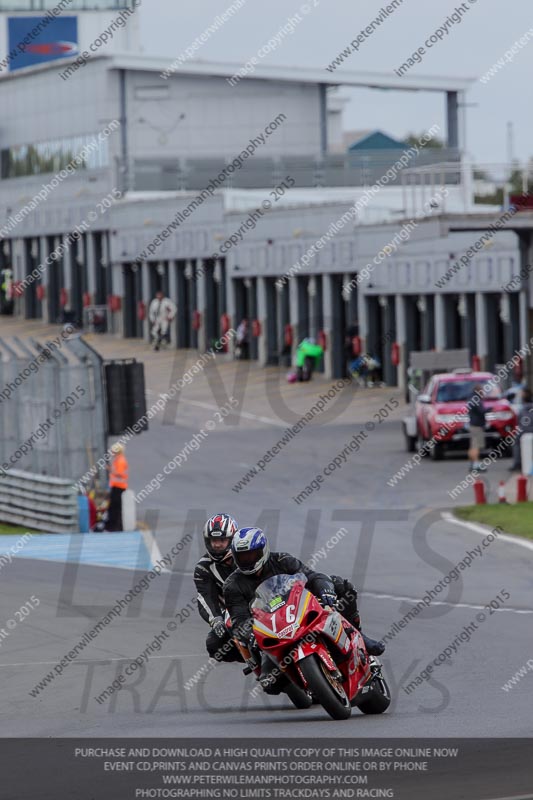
52	407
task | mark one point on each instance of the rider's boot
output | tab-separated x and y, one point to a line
373	647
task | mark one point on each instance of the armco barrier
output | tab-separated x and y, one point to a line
41	502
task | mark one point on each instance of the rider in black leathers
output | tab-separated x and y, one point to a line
209	575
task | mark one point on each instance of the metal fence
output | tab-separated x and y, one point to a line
38	502
52	407
361	168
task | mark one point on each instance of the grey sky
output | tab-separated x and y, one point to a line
488	29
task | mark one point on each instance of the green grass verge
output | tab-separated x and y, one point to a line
11	529
516	519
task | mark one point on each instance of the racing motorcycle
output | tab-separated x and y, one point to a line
316	650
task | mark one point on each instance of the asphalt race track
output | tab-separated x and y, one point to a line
395	548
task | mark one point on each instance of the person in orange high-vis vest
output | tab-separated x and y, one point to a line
118	483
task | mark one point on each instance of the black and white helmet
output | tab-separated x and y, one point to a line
218	534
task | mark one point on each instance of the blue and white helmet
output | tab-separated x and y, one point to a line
250	549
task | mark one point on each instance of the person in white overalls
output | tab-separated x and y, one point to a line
161	313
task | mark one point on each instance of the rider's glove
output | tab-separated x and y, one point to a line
328	598
218	627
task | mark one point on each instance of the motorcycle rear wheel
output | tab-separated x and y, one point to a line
378	698
329	692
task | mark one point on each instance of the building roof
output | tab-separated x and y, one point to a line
371	80
371	140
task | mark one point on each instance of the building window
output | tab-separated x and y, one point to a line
53	156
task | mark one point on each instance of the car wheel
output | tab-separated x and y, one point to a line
410	443
421	445
506	451
437	452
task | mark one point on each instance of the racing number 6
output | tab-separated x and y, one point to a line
290	616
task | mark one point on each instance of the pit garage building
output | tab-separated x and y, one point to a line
164	197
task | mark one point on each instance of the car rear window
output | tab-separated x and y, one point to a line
458	391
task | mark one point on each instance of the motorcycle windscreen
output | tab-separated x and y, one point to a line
273	592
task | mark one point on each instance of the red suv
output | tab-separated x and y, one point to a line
441	412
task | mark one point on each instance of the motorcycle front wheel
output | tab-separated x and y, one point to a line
328	691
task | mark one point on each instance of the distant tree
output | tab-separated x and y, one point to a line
494	199
517	178
515	183
34	160
434	141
